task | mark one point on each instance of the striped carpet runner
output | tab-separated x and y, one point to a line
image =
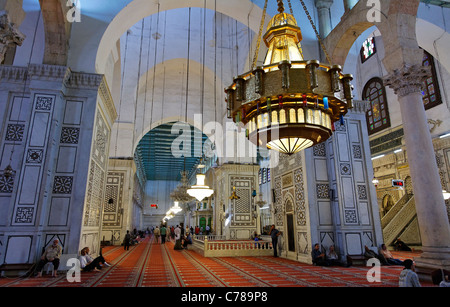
158	265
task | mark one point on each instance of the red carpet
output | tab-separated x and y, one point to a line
159	265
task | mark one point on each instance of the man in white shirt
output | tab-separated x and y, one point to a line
87	263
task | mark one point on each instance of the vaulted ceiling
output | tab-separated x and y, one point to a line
160	161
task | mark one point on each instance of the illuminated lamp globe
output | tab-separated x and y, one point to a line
200	191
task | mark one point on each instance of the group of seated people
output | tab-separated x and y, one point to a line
53	254
331	258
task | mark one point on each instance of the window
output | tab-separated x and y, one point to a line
368	49
378	115
430	92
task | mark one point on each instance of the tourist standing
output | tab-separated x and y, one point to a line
274	234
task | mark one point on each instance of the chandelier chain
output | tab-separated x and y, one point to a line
315	30
258	44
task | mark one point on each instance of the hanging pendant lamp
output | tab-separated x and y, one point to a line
176	208
289	104
200	190
234	196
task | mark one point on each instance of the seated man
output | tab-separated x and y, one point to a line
333	257
371	254
87	263
388	256
187	240
51	254
401	246
318	258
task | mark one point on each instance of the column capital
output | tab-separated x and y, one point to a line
323	4
9	34
407	80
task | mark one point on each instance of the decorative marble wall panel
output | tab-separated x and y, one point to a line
32	171
114	191
242	209
95	193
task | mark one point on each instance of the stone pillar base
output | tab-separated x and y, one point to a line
432	260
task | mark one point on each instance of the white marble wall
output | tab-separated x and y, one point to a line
328	191
56	190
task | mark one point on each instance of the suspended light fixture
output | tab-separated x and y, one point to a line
260	202
446	194
8	172
289	104
200	190
180	193
176	208
234	196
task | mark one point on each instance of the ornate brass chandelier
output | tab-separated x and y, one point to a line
180	193
288	104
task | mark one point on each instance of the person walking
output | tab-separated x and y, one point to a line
163	231
157	233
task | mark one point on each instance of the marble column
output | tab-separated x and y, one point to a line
349	4
323	10
431	210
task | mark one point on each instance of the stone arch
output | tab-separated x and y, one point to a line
57	31
397	27
343	36
139	9
174	110
435	40
289	205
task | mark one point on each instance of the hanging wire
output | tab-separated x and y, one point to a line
187	76
315	31
258	42
138	85
146	80
154	64
9	171
121	98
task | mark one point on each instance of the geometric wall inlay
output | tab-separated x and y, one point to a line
24	215
44	103
319	150
323	191
350	217
300	197
63	185
345	169
6	184
357	154
339	127
14	132
110	193
34	156
70	135
362	192
243	204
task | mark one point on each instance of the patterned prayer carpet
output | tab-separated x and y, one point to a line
158	265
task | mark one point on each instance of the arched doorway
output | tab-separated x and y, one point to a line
290	226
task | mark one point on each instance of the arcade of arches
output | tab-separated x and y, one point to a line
110	108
